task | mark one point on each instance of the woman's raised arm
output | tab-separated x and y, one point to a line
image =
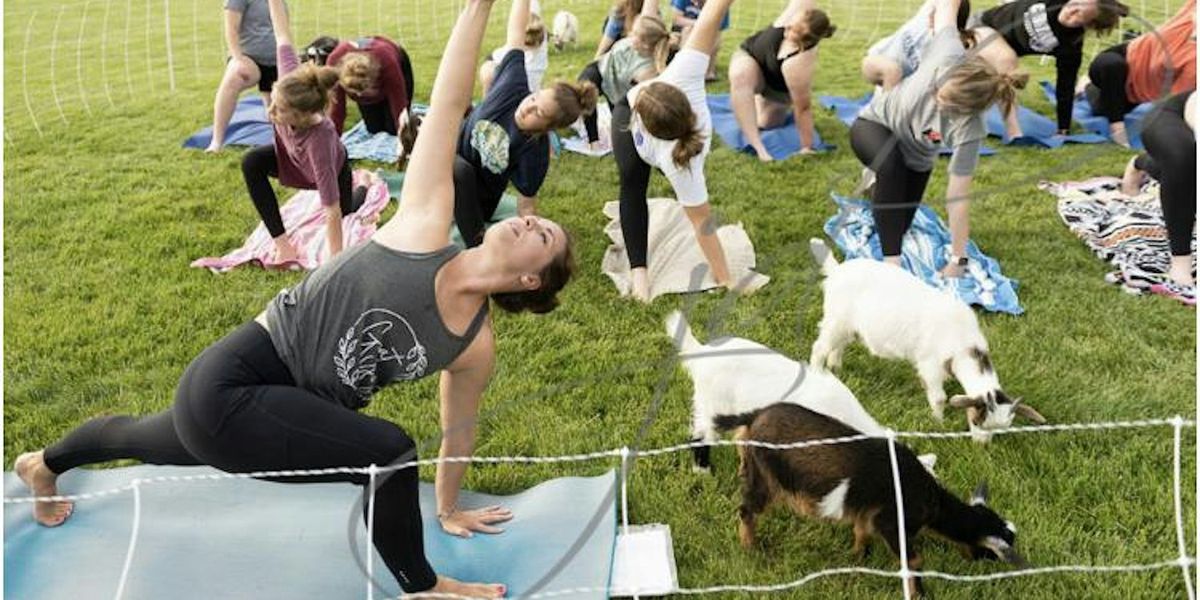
427	203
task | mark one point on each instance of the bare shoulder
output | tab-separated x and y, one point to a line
480	355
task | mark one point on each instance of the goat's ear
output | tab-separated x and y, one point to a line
964	401
1028	412
980	496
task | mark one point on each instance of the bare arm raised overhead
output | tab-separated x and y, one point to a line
518	21
280	23
427	202
708	25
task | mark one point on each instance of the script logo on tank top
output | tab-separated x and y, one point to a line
1037	25
379	348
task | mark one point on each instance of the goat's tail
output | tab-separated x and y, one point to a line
823	255
680	332
728	422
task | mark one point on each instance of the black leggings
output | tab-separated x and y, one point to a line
1171	159
898	189
474	204
237	409
1109	72
592	73
635	180
261	163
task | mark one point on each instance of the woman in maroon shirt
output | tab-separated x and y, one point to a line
307	152
376	73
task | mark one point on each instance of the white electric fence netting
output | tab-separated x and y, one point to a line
1183	561
87	56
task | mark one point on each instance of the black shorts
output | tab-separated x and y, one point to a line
267	74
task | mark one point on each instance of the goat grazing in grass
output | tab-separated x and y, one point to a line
852	482
896	315
732	376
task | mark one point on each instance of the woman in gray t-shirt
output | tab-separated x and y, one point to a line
251	42
900	133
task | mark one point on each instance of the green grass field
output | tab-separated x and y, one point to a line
103	211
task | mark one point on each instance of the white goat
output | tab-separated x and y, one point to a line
897	315
734	376
565	30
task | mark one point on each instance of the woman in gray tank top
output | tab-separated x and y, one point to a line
279	393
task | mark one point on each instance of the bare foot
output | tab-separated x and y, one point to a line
41	482
285	252
446	585
640	285
1181	271
763	155
1132	180
214	147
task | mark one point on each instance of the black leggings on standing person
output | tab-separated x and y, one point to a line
474	205
635	180
898	189
238	409
1171	159
261	163
592	73
1109	72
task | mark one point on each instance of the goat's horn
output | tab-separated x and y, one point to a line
1030	413
964	401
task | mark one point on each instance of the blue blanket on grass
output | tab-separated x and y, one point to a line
925	252
1082	113
243	538
781	142
847	110
248	127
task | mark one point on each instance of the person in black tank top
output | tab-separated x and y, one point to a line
771	73
281	392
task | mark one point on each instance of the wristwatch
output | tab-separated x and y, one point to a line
958	260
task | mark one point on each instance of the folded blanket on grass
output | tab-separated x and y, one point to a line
782	141
248	127
676	263
847	110
304	220
1127	232
925	252
579	143
1083	114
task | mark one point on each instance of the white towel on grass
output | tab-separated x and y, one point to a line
676	264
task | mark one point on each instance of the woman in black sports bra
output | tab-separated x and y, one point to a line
772	72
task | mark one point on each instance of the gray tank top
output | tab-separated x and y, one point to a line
364	320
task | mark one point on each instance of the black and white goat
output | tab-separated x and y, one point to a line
852	482
732	376
896	315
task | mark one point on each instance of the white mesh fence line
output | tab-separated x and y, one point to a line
613	453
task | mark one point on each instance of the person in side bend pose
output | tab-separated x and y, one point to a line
307	152
505	138
772	73
1154	65
898	135
376	73
631	60
685	13
1170	157
899	55
665	123
271	396
251	42
1048	28
537	53
618	23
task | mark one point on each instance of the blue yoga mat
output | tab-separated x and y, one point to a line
1097	124
1039	130
781	142
373	146
237	538
924	253
248	127
847	110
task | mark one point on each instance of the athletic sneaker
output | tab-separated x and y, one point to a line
1183	293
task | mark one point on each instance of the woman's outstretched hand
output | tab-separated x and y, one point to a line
463	523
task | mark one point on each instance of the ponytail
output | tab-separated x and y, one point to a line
667	115
973	85
574	99
309	88
1008	85
653	39
687	147
814	26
